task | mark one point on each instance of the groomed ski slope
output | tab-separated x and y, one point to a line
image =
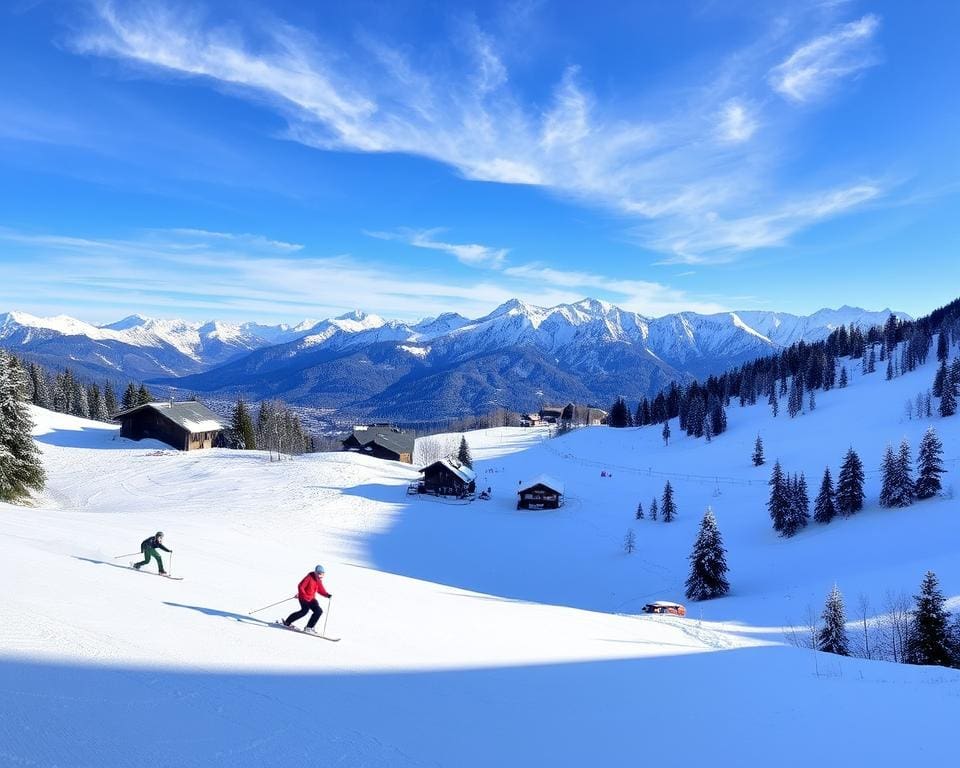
473	635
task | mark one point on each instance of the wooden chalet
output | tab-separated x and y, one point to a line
187	426
382	442
543	492
572	414
448	477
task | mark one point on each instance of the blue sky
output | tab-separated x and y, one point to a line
281	160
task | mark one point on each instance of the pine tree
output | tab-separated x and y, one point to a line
143	395
774	403
653	509
666	432
758	452
929	465
795	400
619	414
708	563
832	638
824	508
41	387
888	482
850	484
110	399
242	426
942	346
779	503
798	508
639	510
130	399
629	541
81	405
906	486
843	377
668	506
929	641
21	469
463	453
812	401
948	399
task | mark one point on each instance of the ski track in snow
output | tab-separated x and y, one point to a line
472	634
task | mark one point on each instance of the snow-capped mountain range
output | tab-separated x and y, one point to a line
446	366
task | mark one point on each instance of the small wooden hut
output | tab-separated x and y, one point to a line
448	477
187	426
543	492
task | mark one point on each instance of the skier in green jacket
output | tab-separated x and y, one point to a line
149	548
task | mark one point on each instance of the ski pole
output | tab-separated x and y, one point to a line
171	563
118	557
271	605
326	617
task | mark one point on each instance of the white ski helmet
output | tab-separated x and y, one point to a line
319	570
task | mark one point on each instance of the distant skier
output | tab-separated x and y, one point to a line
149	548
307	590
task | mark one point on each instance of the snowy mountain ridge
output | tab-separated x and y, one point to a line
589	350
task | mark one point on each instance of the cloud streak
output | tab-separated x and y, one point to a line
471	254
200	274
814	69
685	163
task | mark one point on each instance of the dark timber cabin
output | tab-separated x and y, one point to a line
448	477
543	492
382	442
187	426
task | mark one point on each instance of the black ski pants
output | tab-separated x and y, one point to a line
305	608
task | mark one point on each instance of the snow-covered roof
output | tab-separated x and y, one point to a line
459	469
547	480
190	415
665	604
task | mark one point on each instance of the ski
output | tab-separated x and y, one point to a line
151	573
279	623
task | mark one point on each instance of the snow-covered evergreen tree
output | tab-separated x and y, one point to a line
110	399
708	563
241	423
463	452
80	402
758	452
41	387
948	399
130	399
850	494
666	432
843	377
929	465
774	403
832	637
824	508
619	414
653	509
639	515
929	640
798	509
629	541
668	507
21	469
779	503
143	395
795	400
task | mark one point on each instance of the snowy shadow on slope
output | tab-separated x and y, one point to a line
491	547
731	708
94	437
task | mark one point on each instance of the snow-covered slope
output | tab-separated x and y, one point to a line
473	634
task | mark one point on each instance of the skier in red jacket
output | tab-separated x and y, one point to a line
307	590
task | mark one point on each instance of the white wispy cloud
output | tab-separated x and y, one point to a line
717	239
190	273
471	254
736	123
678	164
814	68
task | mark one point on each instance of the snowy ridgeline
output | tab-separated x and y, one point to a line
473	634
